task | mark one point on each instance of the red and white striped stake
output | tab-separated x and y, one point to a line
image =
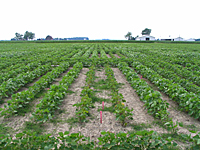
103	105
100	116
141	77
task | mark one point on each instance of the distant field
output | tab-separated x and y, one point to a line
151	94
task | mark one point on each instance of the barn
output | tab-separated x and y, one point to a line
146	38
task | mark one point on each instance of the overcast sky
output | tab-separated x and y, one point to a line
99	19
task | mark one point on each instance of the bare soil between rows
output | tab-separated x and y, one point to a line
175	113
17	122
108	56
117	56
93	128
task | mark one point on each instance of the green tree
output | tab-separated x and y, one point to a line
146	31
18	36
128	35
134	38
29	35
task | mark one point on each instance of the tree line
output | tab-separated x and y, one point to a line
27	36
129	36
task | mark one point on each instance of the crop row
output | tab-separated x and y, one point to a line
175	54
24	59
152	99
77	141
181	71
87	54
10	86
180	59
103	54
121	111
183	59
95	54
47	56
79	54
10	68
120	55
169	71
189	86
13	70
185	72
189	102
83	107
13	73
53	98
21	99
111	55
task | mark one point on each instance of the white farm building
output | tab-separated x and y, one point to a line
146	38
172	39
191	39
178	39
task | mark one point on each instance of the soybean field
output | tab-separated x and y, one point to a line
99	96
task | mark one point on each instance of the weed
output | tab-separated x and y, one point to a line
99	99
34	127
4	129
70	92
110	109
41	94
176	137
1	101
139	127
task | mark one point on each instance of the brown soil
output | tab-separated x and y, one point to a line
93	128
132	99
56	81
20	90
140	114
5	102
108	55
101	75
30	84
176	114
17	122
117	56
68	103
